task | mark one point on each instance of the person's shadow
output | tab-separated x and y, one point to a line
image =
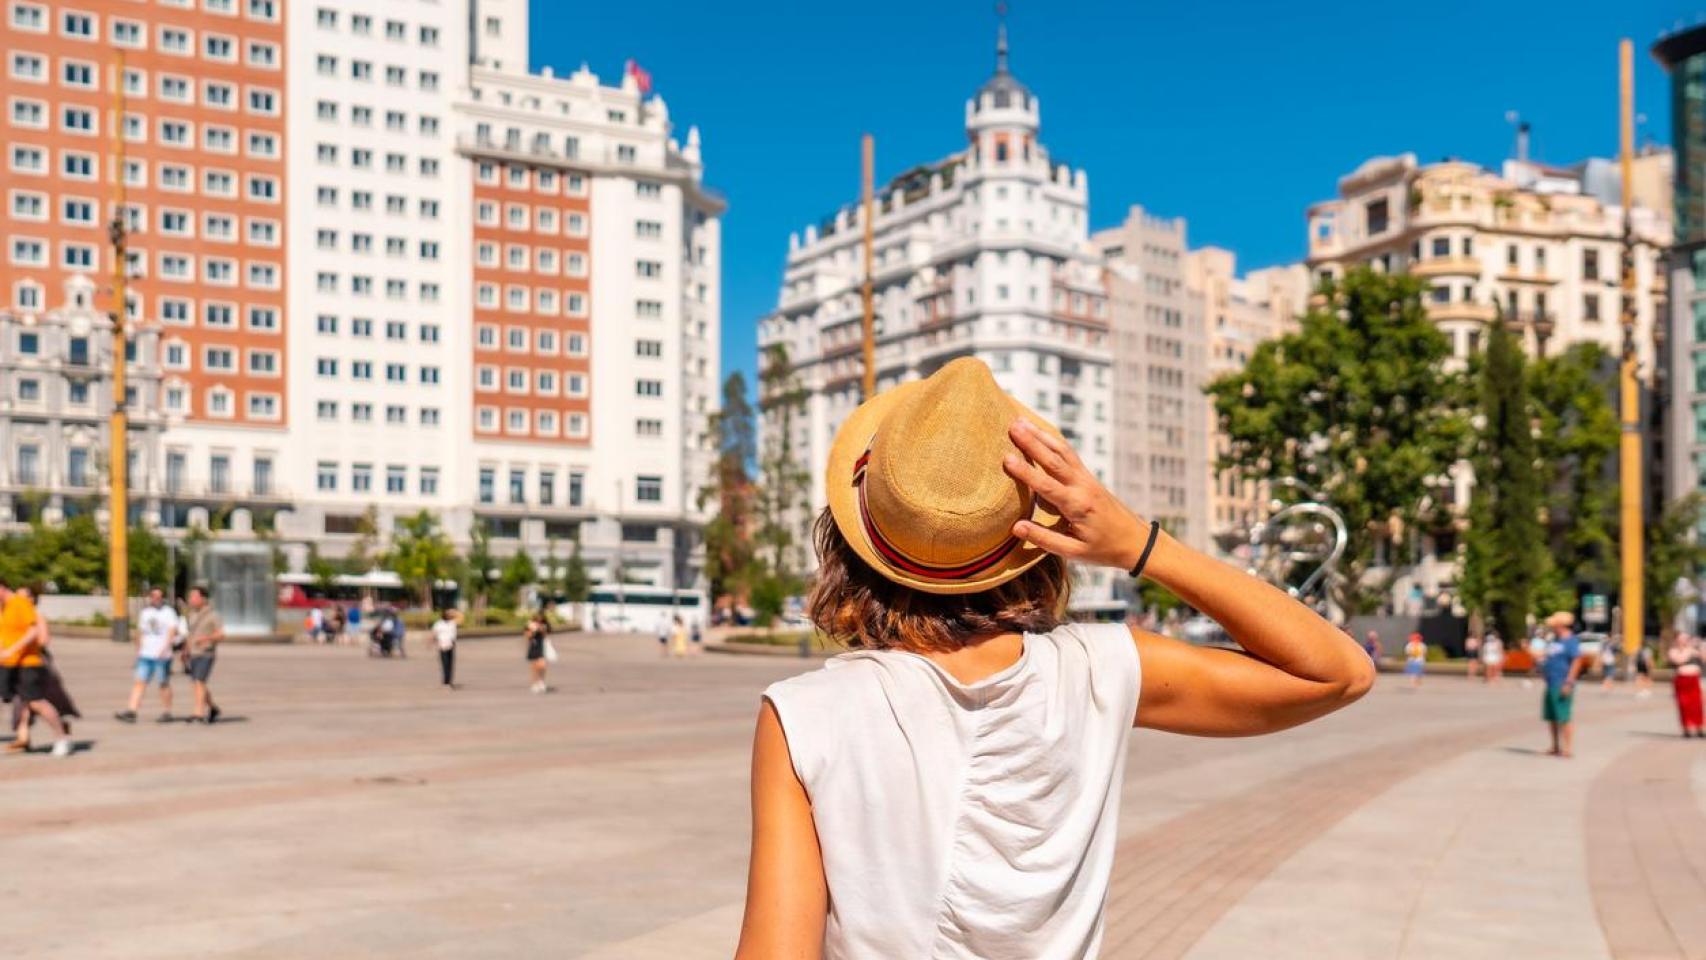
1527	751
77	746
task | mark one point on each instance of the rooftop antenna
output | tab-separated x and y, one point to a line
1522	134
1001	36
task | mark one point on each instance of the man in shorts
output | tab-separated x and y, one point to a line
1562	666
23	671
203	634
156	629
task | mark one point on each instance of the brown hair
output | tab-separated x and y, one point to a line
858	607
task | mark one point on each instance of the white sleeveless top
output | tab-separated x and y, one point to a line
966	821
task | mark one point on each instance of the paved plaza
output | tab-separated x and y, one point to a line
352	808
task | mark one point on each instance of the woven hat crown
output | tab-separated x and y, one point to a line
934	483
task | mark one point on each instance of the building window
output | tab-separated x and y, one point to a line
429	481
1590	306
396	479
361	478
488	480
648	489
518	486
1377	217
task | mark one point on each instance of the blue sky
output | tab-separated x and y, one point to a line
1233	115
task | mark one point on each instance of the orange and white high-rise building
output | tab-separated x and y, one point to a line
374	263
206	206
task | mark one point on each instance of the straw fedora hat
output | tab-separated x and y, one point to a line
1562	620
917	489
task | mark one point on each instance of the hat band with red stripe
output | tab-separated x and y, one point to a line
898	558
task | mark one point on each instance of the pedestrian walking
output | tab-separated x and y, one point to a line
23	670
1472	653
1607	663
1371	646
1415	659
1561	667
537	635
205	631
698	637
1686	659
335	624
1643	671
1493	658
53	682
156	632
663	636
952	784
444	632
678	638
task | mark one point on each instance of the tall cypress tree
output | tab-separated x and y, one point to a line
1506	546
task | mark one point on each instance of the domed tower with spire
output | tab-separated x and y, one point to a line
1003	117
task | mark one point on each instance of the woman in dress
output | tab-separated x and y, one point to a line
536	633
951	786
1685	660
1415	659
1493	658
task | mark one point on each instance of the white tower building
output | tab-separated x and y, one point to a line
984	253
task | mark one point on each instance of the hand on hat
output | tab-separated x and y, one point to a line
1094	526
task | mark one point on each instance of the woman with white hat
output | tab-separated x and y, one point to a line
951	786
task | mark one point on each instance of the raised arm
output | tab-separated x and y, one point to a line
1296	666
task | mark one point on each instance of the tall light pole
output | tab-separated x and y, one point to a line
868	324
118	454
1629	443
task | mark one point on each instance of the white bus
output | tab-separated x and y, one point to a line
632	608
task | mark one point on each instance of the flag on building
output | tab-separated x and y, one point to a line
641	77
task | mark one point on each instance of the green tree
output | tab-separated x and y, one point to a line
1674	552
71	556
1505	551
1577	437
1358	405
324	571
577	586
518	571
364	550
728	535
479	564
421	554
782	494
150	560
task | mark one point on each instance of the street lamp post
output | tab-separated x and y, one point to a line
118	460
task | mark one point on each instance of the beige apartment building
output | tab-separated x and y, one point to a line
1239	313
1162	453
1542	243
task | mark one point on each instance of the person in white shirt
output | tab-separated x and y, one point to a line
444	631
156	629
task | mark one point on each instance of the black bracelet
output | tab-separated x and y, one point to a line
1148	548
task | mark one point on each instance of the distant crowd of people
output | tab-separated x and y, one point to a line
1555	651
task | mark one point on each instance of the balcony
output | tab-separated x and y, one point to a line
1447	266
1478	312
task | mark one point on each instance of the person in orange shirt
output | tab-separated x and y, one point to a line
23	673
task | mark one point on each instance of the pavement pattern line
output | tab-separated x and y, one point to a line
1162	901
1646	841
